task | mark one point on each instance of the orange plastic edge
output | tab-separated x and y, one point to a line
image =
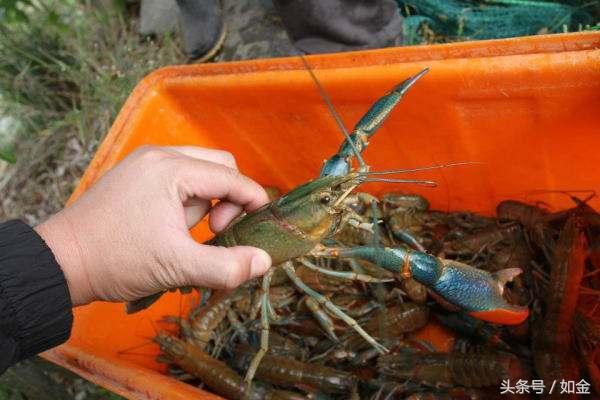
133	381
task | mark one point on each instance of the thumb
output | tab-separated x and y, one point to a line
223	267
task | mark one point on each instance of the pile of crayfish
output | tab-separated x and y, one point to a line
312	355
357	279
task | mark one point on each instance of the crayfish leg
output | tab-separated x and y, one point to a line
349	275
322	318
326	303
264	329
339	164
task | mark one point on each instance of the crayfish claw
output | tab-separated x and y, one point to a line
506	275
403	87
479	293
509	314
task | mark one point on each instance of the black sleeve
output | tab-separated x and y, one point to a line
35	305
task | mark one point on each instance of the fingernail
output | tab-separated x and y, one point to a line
260	263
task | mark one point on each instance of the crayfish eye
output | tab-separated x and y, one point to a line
325	199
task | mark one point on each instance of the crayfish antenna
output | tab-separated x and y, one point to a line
335	114
417	169
129	350
392	180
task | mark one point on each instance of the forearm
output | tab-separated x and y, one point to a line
57	233
35	305
126	238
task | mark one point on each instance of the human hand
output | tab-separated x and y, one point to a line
127	237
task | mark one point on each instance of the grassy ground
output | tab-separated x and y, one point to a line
64	74
66	67
37	379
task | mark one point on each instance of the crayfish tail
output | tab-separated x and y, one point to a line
132	307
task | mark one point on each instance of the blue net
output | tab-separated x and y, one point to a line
429	21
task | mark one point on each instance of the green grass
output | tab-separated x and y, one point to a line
37	379
70	66
65	71
66	68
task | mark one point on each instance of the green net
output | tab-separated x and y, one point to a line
428	21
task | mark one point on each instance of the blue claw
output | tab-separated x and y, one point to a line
340	163
381	110
335	166
474	291
479	293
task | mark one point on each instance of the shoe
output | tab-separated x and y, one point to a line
202	26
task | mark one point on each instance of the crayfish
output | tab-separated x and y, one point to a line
295	225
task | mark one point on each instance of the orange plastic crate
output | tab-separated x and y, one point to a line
528	108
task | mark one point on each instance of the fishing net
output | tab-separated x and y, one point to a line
430	21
